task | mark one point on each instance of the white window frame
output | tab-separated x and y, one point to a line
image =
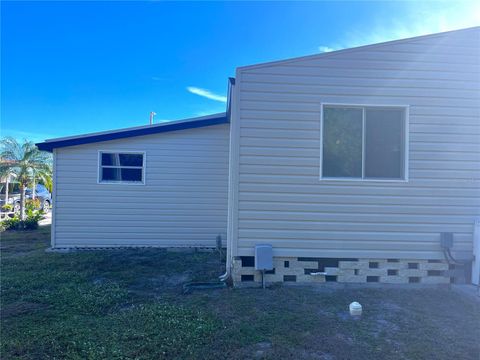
99	167
406	109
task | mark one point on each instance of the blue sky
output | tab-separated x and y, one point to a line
78	67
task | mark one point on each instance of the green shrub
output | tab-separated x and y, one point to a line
12	223
31	204
30	223
7	207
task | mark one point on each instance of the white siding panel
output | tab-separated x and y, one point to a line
281	199
183	201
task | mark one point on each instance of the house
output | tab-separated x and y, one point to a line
355	165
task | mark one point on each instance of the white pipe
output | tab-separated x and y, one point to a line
476	253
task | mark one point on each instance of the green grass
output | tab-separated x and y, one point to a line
128	304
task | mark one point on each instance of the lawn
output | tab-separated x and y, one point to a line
123	304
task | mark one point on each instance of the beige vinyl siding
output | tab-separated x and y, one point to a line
183	201
281	200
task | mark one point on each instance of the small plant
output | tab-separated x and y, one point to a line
32	204
7	208
11	224
33	217
30	222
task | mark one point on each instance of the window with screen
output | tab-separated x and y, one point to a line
119	167
363	142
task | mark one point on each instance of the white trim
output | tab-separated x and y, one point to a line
233	175
144	166
159	125
363	143
54	199
406	138
406	146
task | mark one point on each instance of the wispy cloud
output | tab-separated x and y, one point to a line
206	94
323	48
26	135
419	19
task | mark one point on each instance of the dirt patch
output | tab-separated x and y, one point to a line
20	308
157	285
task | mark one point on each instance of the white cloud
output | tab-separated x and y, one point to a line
324	49
419	19
207	94
21	135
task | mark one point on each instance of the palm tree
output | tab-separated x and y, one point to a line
26	162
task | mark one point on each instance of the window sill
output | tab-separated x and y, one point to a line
364	180
120	183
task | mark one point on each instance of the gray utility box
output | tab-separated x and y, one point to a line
263	257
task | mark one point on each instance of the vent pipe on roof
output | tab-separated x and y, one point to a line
152	114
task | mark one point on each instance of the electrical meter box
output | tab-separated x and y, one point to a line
263	257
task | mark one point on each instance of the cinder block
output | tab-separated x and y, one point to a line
305	264
351	279
345	272
271	278
435	280
361	264
412	272
394	279
290	271
311	279
332	270
373	272
279	262
434	266
402	264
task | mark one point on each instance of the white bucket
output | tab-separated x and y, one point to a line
355	309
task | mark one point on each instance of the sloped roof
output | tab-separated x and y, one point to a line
323	55
214	119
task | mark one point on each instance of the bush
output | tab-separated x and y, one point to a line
11	224
7	208
30	223
31	204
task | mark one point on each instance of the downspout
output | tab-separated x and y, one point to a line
232	178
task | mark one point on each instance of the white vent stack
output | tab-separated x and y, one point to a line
152	115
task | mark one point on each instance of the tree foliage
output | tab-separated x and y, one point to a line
27	164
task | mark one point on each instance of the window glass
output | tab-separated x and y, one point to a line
115	159
342	142
363	142
384	143
121	167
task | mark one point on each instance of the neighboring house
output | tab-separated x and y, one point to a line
352	163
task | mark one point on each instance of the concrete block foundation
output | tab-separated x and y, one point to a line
319	270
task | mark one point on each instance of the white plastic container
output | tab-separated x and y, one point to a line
355	309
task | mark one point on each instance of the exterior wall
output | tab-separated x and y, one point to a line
279	198
183	201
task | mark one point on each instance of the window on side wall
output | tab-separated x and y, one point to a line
363	142
121	167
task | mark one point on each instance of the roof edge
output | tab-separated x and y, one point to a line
191	123
346	50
